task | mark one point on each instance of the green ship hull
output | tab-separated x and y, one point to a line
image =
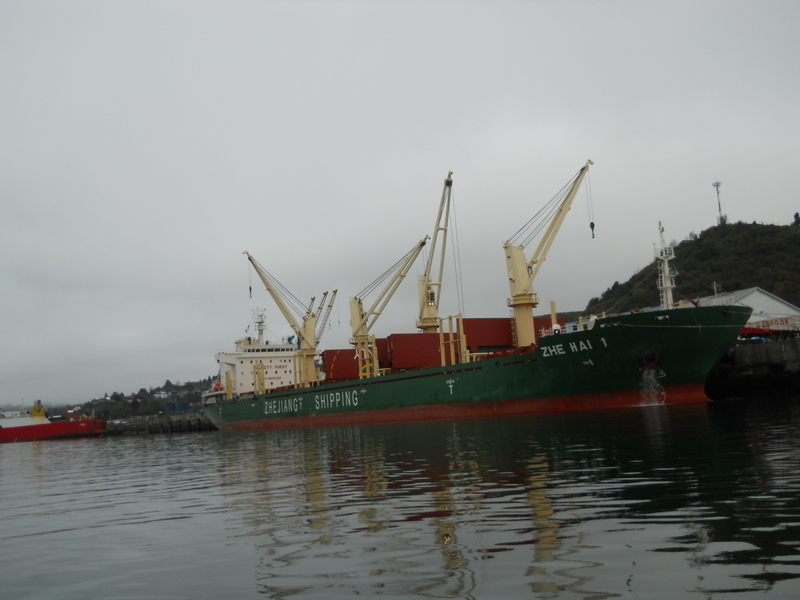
659	357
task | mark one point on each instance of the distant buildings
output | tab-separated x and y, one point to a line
12	414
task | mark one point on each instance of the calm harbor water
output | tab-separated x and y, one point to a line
652	502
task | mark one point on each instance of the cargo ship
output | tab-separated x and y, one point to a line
37	426
456	367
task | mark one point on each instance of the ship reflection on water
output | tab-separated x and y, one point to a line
664	500
667	501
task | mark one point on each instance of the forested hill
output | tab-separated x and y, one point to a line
732	256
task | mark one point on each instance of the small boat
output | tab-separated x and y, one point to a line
37	426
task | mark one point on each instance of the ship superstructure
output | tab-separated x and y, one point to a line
255	366
666	275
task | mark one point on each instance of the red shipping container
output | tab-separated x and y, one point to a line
415	350
491	335
340	364
384	358
487	335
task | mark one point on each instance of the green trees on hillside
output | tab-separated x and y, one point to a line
729	257
150	402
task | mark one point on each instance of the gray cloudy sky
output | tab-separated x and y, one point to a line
145	145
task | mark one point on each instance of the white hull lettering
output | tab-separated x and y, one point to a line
570	347
282	405
336	399
554	350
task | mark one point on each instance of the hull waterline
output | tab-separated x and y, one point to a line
659	357
80	428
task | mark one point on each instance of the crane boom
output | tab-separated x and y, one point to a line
522	272
287	314
430	290
362	321
308	373
539	256
325	316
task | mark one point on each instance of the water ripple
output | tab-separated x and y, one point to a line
652	502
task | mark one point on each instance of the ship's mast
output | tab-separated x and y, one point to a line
666	277
258	319
430	290
521	272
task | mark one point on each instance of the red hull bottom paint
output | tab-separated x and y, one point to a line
689	394
53	431
654	357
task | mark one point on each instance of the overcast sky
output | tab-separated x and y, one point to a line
145	145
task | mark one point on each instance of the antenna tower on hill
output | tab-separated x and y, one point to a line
716	184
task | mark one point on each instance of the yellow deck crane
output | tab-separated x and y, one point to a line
522	272
430	290
307	370
362	321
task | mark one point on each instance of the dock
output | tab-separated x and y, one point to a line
758	369
165	423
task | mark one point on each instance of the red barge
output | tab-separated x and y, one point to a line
38	426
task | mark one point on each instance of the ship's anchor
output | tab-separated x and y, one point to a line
649	361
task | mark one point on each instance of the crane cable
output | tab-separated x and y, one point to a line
539	222
381	278
589	203
455	245
291	301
